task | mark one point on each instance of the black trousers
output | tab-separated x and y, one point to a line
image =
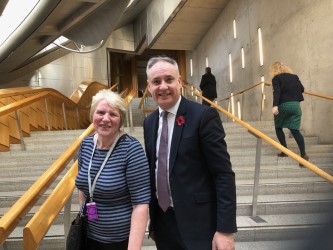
167	234
297	136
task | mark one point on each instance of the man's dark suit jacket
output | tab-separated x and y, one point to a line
201	179
208	86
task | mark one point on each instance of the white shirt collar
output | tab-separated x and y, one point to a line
172	110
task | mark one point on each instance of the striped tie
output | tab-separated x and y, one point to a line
162	176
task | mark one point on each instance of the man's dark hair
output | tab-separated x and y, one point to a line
208	70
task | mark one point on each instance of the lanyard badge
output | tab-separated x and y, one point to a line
92	211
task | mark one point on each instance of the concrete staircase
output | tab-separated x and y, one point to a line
293	202
138	114
20	169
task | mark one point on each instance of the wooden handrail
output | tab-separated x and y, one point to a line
318	95
124	92
45	92
47	109
23	205
143	98
269	84
56	117
290	153
242	91
85	87
40	223
29	100
19	91
128	99
33	233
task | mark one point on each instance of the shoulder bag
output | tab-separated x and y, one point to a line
77	235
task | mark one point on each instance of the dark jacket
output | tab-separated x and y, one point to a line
201	179
287	88
208	86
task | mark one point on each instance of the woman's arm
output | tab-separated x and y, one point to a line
139	222
81	198
276	90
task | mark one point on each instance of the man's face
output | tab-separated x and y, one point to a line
164	84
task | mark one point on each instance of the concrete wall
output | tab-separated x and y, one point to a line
66	73
296	32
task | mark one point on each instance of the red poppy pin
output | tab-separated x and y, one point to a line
180	120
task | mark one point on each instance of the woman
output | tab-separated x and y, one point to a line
287	95
121	191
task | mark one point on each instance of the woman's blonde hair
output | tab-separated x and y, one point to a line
113	99
279	68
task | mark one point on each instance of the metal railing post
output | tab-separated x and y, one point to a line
229	109
131	114
4	246
67	215
20	130
256	176
64	113
127	118
47	115
77	117
262	106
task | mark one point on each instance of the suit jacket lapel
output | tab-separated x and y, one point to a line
177	134
154	128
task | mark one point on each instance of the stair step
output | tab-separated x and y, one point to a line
292	229
279	227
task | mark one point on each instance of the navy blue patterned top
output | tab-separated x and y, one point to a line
123	182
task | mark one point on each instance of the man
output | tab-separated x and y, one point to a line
208	86
201	214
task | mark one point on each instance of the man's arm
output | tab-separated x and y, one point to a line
217	158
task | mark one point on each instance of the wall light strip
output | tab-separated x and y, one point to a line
239	110
191	67
232	105
235	30
243	58
230	67
261	56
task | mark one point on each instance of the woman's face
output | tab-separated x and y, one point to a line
106	120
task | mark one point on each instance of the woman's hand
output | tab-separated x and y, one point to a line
275	110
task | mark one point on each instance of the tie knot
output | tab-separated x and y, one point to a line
165	115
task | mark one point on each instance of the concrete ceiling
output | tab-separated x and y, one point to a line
189	25
58	17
